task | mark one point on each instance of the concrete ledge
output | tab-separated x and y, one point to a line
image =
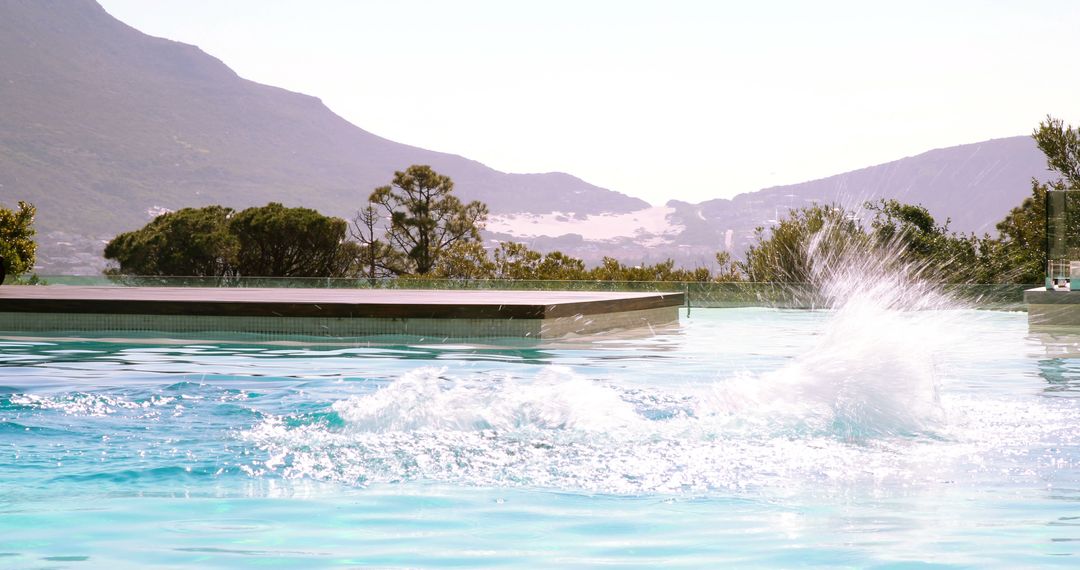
1052	308
335	313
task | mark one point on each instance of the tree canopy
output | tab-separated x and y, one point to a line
424	218
17	246
813	235
275	241
1020	255
464	260
909	234
189	242
375	258
1061	145
816	240
518	262
216	241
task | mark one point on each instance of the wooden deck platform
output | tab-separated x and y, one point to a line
329	312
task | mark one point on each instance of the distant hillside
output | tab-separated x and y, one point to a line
974	185
102	125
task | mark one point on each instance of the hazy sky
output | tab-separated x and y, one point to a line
661	99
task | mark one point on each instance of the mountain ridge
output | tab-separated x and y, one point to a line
1018	152
972	185
104	123
105	126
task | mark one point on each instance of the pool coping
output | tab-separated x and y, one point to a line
331	312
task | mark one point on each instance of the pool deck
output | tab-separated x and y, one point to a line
330	312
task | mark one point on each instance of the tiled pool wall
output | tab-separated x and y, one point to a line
1052	308
277	328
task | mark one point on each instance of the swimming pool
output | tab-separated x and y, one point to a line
744	437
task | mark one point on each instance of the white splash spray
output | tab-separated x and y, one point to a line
425	399
870	383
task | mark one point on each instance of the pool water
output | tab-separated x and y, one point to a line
745	437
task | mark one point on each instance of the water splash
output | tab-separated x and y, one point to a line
427	399
87	404
873	372
869	383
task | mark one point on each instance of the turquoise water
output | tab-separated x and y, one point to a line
745	437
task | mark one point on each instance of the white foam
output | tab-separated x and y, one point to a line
426	399
88	404
863	405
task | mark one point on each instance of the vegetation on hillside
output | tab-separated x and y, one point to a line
815	240
192	242
801	243
912	236
17	245
276	241
421	220
416	228
215	241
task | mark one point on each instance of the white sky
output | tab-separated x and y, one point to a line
657	99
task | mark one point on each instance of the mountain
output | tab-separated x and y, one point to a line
973	185
103	126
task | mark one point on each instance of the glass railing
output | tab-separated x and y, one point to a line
699	294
